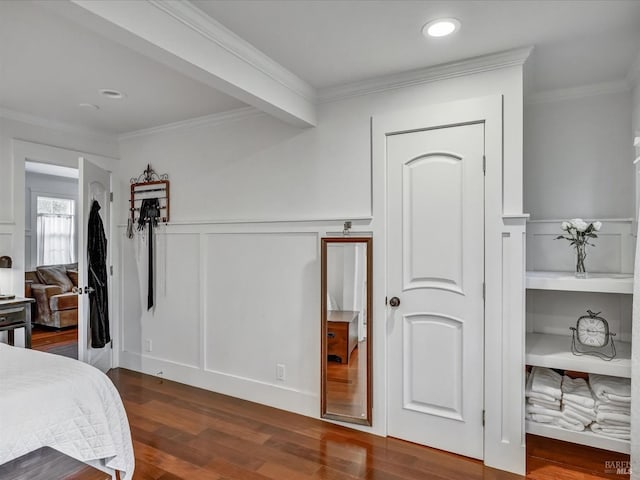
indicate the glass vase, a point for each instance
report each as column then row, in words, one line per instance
column 581, row 255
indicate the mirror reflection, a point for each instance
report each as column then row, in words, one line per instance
column 346, row 319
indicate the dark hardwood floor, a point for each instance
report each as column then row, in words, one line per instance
column 347, row 384
column 62, row 341
column 185, row 432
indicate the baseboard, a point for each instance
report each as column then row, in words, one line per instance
column 284, row 398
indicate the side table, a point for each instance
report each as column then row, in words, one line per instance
column 16, row 313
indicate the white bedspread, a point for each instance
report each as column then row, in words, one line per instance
column 50, row 400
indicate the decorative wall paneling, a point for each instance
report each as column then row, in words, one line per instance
column 233, row 299
column 505, row 334
column 614, row 249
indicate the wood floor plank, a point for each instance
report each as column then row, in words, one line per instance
column 185, row 432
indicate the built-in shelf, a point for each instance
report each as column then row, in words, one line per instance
column 567, row 281
column 554, row 351
column 586, row 437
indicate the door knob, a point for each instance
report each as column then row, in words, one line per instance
column 394, row 302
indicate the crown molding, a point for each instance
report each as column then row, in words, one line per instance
column 581, row 91
column 206, row 120
column 208, row 27
column 36, row 121
column 484, row 63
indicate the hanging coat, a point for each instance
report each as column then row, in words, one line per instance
column 97, row 273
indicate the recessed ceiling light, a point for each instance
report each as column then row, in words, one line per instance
column 108, row 92
column 89, row 106
column 441, row 27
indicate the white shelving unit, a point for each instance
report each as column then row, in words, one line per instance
column 567, row 281
column 554, row 351
column 586, row 437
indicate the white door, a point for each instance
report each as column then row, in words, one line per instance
column 95, row 184
column 435, row 195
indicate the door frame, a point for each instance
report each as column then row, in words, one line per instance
column 503, row 342
column 24, row 151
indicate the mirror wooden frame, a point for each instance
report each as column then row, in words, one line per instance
column 368, row 241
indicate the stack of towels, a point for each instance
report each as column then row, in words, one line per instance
column 561, row 401
column 578, row 404
column 613, row 406
column 543, row 394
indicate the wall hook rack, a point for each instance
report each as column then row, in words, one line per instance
column 148, row 185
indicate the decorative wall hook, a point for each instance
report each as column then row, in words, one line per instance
column 148, row 175
column 148, row 188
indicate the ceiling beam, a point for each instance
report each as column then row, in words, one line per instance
column 180, row 35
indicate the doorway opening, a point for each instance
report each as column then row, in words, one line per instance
column 51, row 256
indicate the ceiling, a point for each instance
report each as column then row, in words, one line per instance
column 49, row 63
column 338, row 42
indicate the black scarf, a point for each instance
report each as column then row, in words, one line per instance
column 149, row 213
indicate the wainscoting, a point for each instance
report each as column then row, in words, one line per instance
column 232, row 301
column 614, row 250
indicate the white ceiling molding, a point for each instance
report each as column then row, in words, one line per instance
column 53, row 124
column 461, row 68
column 582, row 91
column 205, row 121
column 198, row 46
column 192, row 16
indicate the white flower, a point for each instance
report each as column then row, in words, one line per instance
column 579, row 224
column 597, row 226
column 565, row 226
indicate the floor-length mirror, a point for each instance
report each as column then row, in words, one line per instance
column 346, row 329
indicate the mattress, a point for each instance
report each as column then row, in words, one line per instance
column 54, row 401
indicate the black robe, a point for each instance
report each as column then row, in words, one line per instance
column 97, row 272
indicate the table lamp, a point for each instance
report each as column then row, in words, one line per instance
column 6, row 262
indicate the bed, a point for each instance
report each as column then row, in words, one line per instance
column 50, row 400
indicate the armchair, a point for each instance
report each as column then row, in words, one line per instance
column 56, row 306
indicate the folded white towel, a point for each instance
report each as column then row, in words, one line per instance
column 555, row 405
column 546, row 381
column 616, row 389
column 537, row 395
column 537, row 409
column 539, row 418
column 612, row 406
column 613, row 432
column 569, row 423
column 589, row 412
column 576, row 415
column 577, row 390
column 541, row 397
column 613, row 418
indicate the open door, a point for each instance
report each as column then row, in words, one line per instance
column 95, row 185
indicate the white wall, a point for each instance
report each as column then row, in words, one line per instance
column 335, row 273
column 577, row 155
column 251, row 289
column 43, row 185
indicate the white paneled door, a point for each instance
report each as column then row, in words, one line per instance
column 435, row 258
column 95, row 184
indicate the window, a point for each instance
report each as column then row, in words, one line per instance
column 56, row 230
